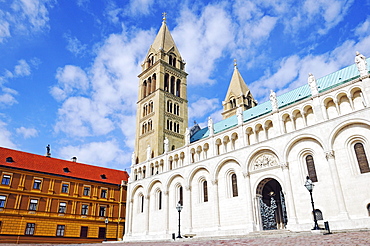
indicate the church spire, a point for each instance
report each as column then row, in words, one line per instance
column 162, row 107
column 238, row 95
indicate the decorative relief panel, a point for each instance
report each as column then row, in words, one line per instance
column 265, row 161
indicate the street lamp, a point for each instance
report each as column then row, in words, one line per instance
column 179, row 208
column 309, row 185
column 106, row 226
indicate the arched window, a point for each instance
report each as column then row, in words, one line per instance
column 144, row 89
column 160, row 200
column 361, row 158
column 178, row 83
column 149, row 86
column 173, row 147
column 166, row 82
column 181, row 196
column 141, row 203
column 311, row 168
column 368, row 209
column 154, row 80
column 174, row 62
column 151, row 106
column 172, row 86
column 170, row 59
column 205, row 191
column 234, row 185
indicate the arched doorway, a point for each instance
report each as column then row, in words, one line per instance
column 271, row 204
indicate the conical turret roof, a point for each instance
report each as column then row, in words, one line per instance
column 237, row 85
column 164, row 41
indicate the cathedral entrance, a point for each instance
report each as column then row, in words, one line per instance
column 272, row 205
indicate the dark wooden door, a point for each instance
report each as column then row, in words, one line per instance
column 101, row 232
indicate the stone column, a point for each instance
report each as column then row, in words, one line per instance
column 289, row 194
column 216, row 206
column 249, row 199
column 188, row 202
column 129, row 218
column 147, row 205
column 337, row 184
column 166, row 211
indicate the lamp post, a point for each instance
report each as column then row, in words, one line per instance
column 179, row 208
column 106, row 226
column 309, row 185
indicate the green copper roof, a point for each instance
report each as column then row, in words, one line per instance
column 325, row 83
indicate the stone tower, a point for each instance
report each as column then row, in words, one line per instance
column 238, row 95
column 162, row 107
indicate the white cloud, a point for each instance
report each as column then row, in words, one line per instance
column 4, row 30
column 96, row 153
column 292, row 71
column 5, row 136
column 81, row 117
column 22, row 69
column 72, row 80
column 140, row 7
column 202, row 40
column 74, row 45
column 201, row 107
column 27, row 132
column 363, row 29
column 34, row 11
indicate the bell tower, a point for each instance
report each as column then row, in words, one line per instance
column 238, row 95
column 162, row 107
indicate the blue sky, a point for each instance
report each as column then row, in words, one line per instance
column 68, row 69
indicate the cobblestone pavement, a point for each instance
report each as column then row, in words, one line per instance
column 342, row 238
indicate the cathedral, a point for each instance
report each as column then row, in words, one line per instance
column 248, row 172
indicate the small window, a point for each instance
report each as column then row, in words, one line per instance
column 65, row 188
column 181, row 197
column 142, row 204
column 86, row 191
column 361, row 158
column 311, row 168
column 6, row 179
column 205, row 191
column 66, row 170
column 103, row 193
column 2, row 201
column 234, row 184
column 102, row 211
column 9, row 159
column 62, row 207
column 60, row 230
column 33, row 204
column 37, row 184
column 368, row 209
column 103, row 176
column 160, row 200
column 84, row 209
column 30, row 229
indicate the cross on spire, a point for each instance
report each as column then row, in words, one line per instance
column 235, row 64
column 164, row 14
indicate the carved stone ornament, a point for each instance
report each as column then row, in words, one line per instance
column 264, row 161
column 188, row 187
column 284, row 165
column 215, row 181
column 329, row 154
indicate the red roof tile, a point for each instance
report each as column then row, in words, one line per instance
column 55, row 166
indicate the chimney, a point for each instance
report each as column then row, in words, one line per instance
column 74, row 159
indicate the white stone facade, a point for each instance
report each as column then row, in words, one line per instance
column 271, row 147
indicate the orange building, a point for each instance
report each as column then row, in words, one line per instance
column 48, row 200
